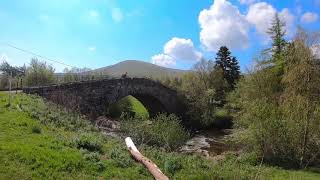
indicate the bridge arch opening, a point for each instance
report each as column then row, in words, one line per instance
column 136, row 105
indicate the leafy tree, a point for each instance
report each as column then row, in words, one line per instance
column 12, row 70
column 282, row 111
column 204, row 89
column 301, row 99
column 229, row 66
column 39, row 73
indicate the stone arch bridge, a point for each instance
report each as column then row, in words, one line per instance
column 91, row 98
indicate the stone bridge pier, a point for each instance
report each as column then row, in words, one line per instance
column 91, row 98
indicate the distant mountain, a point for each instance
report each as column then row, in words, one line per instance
column 138, row 69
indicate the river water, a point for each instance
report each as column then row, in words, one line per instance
column 209, row 143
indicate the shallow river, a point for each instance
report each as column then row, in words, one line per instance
column 208, row 143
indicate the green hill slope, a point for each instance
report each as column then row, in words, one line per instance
column 139, row 69
column 38, row 140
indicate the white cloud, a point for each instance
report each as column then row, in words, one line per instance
column 286, row 16
column 223, row 24
column 92, row 48
column 261, row 15
column 247, row 1
column 309, row 17
column 117, row 15
column 177, row 49
column 182, row 49
column 163, row 60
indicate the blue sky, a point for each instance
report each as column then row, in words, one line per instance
column 97, row 33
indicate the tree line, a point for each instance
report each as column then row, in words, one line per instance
column 39, row 73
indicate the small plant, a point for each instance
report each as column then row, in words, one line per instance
column 36, row 129
column 163, row 131
column 121, row 158
column 92, row 157
column 90, row 142
column 172, row 165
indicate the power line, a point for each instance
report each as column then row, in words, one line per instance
column 38, row 55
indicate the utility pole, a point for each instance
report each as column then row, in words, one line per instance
column 17, row 85
column 10, row 76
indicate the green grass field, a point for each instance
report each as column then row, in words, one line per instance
column 39, row 140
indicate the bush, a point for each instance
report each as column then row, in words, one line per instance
column 90, row 142
column 121, row 158
column 163, row 131
column 36, row 129
column 94, row 158
column 222, row 119
column 49, row 113
column 172, row 165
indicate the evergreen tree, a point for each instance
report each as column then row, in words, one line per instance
column 277, row 33
column 235, row 71
column 229, row 65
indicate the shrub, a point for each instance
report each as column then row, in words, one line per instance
column 94, row 158
column 172, row 165
column 163, row 131
column 49, row 113
column 89, row 141
column 121, row 158
column 167, row 132
column 36, row 129
column 222, row 119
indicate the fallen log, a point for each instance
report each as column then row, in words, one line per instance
column 152, row 167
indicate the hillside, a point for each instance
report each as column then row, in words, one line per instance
column 41, row 141
column 139, row 69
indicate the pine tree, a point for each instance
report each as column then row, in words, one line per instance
column 277, row 33
column 235, row 71
column 229, row 65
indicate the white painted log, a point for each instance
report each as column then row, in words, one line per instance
column 130, row 145
column 152, row 167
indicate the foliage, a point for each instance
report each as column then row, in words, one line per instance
column 52, row 154
column 163, row 131
column 77, row 74
column 277, row 33
column 90, row 142
column 229, row 66
column 122, row 160
column 222, row 119
column 36, row 129
column 50, row 114
column 205, row 91
column 12, row 71
column 172, row 165
column 278, row 108
column 39, row 73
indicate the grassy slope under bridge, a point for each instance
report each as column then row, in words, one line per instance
column 40, row 141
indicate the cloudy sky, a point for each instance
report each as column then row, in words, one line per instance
column 96, row 33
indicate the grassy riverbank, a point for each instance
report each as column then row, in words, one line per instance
column 39, row 140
